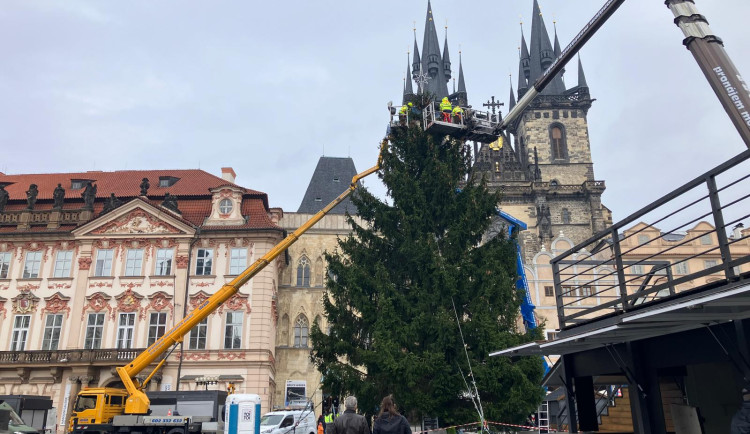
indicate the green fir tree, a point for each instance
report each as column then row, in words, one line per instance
column 393, row 283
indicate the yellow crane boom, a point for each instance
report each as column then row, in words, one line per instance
column 137, row 401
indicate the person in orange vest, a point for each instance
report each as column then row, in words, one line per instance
column 321, row 430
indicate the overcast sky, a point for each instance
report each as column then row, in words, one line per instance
column 269, row 87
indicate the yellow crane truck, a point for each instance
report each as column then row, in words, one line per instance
column 104, row 410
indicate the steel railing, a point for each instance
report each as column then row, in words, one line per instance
column 677, row 243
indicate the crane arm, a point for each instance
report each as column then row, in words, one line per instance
column 138, row 402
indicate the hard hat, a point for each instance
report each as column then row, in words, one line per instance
column 445, row 99
column 409, row 104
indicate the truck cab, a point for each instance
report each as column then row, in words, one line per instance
column 97, row 405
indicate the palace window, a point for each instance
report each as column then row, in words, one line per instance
column 4, row 265
column 157, row 325
column 681, row 268
column 20, row 332
column 63, row 263
column 238, row 261
column 225, row 206
column 706, row 240
column 204, row 262
column 303, row 272
column 301, row 332
column 94, row 328
column 52, row 327
column 134, row 262
column 549, row 291
column 233, row 331
column 125, row 330
column 31, row 267
column 557, row 142
column 709, row 263
column 198, row 335
column 104, row 262
column 164, row 262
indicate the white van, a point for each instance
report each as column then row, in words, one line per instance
column 289, row 422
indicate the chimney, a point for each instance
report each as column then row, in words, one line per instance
column 227, row 173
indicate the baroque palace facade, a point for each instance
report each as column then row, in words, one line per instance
column 95, row 266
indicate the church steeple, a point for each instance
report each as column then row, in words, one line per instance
column 432, row 62
column 524, row 71
column 581, row 76
column 416, row 64
column 446, row 58
column 463, row 99
column 557, row 48
column 408, row 90
column 512, row 99
column 542, row 54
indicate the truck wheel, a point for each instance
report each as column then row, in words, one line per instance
column 176, row 431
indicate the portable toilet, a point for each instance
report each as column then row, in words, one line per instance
column 242, row 414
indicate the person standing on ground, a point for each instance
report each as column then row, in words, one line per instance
column 350, row 422
column 389, row 421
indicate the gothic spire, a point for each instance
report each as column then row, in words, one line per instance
column 446, row 58
column 557, row 48
column 581, row 75
column 512, row 100
column 542, row 54
column 417, row 62
column 408, row 90
column 461, row 82
column 523, row 66
column 432, row 62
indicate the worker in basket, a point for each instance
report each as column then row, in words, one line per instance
column 402, row 113
column 446, row 108
column 458, row 115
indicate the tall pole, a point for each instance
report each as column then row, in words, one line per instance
column 708, row 50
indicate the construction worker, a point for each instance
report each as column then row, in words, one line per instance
column 446, row 108
column 403, row 111
column 328, row 420
column 458, row 114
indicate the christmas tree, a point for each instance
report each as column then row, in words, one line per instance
column 394, row 282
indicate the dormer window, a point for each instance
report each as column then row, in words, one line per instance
column 225, row 206
column 167, row 181
column 335, row 179
column 78, row 184
column 318, row 199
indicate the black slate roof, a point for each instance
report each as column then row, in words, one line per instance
column 332, row 177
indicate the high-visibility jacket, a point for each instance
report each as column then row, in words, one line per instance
column 329, row 418
column 320, row 428
column 457, row 110
column 445, row 106
column 403, row 110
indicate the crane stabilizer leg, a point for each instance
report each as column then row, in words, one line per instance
column 138, row 402
column 571, row 50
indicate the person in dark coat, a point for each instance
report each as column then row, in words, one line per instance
column 389, row 421
column 350, row 422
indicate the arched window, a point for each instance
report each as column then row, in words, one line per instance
column 303, row 271
column 301, row 332
column 565, row 216
column 557, row 142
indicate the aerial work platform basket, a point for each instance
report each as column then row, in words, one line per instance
column 472, row 124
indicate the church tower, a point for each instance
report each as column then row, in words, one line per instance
column 547, row 176
column 431, row 71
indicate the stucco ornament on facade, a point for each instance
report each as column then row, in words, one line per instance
column 25, row 302
column 137, row 221
column 56, row 303
column 84, row 263
column 128, row 302
column 198, row 298
column 160, row 301
column 96, row 302
column 181, row 262
column 3, row 311
column 238, row 301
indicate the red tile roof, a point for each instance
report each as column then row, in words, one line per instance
column 192, row 191
column 123, row 183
